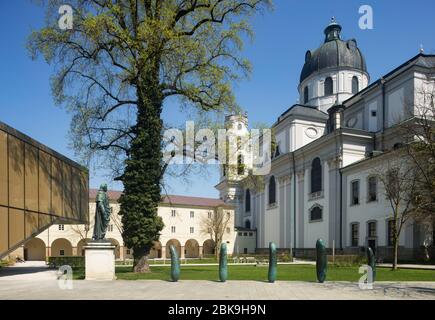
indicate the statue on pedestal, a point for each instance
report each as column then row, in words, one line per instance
column 102, row 214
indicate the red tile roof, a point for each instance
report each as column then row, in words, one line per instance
column 113, row 195
column 168, row 199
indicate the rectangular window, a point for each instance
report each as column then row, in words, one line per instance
column 355, row 193
column 245, row 250
column 192, row 214
column 372, row 229
column 245, row 234
column 61, row 252
column 355, row 235
column 173, row 213
column 240, row 234
column 251, row 234
column 173, row 229
column 61, row 227
column 192, row 230
column 110, row 228
column 390, row 233
column 372, row 189
column 128, row 251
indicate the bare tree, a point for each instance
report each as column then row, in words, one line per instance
column 215, row 225
column 117, row 221
column 420, row 132
column 399, row 179
column 82, row 230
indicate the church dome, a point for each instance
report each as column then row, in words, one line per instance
column 334, row 53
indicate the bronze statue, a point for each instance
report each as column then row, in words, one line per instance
column 102, row 214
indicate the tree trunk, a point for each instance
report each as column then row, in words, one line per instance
column 396, row 253
column 141, row 265
column 142, row 191
column 217, row 250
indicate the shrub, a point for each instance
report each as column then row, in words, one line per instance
column 347, row 260
column 6, row 263
column 73, row 262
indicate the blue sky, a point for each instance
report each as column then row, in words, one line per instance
column 277, row 54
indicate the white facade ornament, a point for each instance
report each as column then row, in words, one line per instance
column 312, row 132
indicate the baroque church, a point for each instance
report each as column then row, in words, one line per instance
column 322, row 182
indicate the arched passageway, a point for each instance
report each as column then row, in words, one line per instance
column 61, row 248
column 175, row 243
column 156, row 251
column 117, row 248
column 81, row 246
column 192, row 248
column 34, row 250
column 208, row 247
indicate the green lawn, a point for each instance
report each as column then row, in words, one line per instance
column 285, row 273
column 168, row 261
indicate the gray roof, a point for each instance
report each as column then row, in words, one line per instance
column 425, row 61
column 333, row 53
column 421, row 60
column 302, row 111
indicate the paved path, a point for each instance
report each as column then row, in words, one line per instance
column 36, row 281
column 208, row 290
column 30, row 270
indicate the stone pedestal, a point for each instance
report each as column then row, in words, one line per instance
column 100, row 260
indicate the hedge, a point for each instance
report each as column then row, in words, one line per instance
column 73, row 262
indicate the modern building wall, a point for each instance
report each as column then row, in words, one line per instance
column 38, row 187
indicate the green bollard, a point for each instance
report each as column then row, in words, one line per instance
column 371, row 261
column 175, row 264
column 321, row 261
column 223, row 269
column 272, row 262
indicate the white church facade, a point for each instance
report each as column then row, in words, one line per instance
column 321, row 183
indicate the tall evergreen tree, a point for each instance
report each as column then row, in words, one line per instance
column 118, row 64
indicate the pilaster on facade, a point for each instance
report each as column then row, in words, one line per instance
column 301, row 175
column 285, row 179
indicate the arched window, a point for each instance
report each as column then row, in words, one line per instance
column 316, row 214
column 248, row 224
column 316, row 176
column 272, row 190
column 248, row 201
column 328, row 86
column 306, row 96
column 355, row 85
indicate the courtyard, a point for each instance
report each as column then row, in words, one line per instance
column 34, row 280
